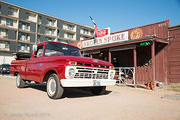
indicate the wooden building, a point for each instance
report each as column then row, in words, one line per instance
column 153, row 50
column 174, row 54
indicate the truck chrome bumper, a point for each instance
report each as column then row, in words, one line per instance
column 86, row 82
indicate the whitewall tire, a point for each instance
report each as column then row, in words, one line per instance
column 54, row 89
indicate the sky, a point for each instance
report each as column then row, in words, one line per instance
column 116, row 14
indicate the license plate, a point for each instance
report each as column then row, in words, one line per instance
column 96, row 83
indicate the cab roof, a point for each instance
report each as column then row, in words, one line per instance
column 43, row 43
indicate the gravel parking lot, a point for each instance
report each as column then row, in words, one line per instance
column 119, row 103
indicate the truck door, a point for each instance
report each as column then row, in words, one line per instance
column 34, row 66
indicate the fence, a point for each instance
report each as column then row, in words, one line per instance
column 125, row 75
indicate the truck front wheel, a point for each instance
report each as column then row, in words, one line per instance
column 54, row 89
column 98, row 90
column 20, row 83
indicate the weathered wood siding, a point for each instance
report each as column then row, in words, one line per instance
column 174, row 55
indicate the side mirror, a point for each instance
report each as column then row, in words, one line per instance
column 34, row 53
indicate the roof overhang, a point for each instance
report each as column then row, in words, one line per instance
column 129, row 42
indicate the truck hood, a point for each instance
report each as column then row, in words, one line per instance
column 87, row 60
column 79, row 60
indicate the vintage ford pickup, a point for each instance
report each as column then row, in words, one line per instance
column 61, row 65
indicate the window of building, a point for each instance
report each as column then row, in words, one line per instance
column 23, row 36
column 40, row 19
column 28, row 15
column 92, row 32
column 70, row 27
column 49, row 39
column 9, row 22
column 23, row 47
column 85, row 31
column 4, row 45
column 69, row 35
column 24, row 26
column 51, row 22
column 3, row 33
column 39, row 39
column 49, row 31
column 10, row 11
column 0, row 20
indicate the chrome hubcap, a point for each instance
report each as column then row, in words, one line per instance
column 51, row 86
column 18, row 80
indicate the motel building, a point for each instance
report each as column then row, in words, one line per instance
column 153, row 51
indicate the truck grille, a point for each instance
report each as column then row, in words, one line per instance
column 91, row 73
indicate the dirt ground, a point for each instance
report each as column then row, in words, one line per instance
column 119, row 103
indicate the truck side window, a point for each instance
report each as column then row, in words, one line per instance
column 39, row 51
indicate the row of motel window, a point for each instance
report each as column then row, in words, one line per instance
column 32, row 17
column 48, row 31
column 3, row 33
column 49, row 21
column 21, row 36
column 8, row 22
column 26, row 37
column 11, row 11
column 21, row 47
column 24, row 26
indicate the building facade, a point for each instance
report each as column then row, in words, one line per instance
column 20, row 28
column 173, row 58
column 153, row 50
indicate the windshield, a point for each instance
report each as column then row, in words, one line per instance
column 55, row 49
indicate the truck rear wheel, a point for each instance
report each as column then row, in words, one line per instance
column 54, row 89
column 20, row 83
column 98, row 90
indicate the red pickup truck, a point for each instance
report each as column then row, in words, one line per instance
column 62, row 65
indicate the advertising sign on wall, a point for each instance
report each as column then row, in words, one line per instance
column 103, row 32
column 123, row 36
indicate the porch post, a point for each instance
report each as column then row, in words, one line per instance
column 109, row 52
column 135, row 66
column 153, row 63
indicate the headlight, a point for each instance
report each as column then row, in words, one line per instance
column 111, row 67
column 111, row 74
column 70, row 72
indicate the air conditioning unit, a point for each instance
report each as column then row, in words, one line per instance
column 22, row 48
column 5, row 36
column 2, row 46
column 23, row 38
column 28, row 48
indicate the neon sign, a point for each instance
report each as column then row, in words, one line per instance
column 147, row 43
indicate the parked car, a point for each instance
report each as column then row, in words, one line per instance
column 62, row 65
column 4, row 69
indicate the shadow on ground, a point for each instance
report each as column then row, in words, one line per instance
column 68, row 92
column 132, row 85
